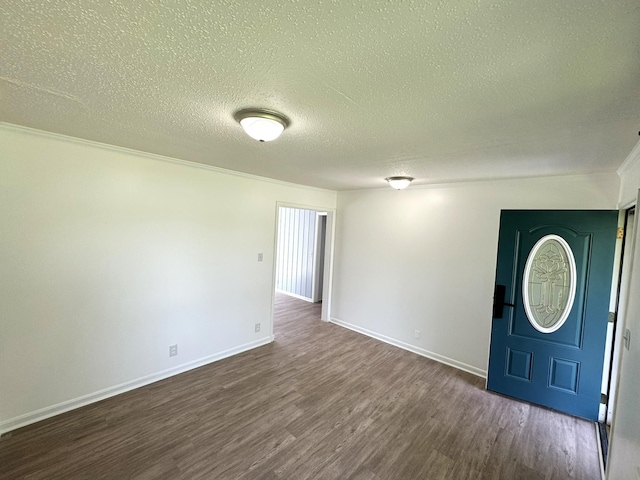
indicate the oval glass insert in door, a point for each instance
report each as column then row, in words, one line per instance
column 549, row 283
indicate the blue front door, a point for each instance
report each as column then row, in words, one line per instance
column 551, row 304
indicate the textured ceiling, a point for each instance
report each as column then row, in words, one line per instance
column 443, row 91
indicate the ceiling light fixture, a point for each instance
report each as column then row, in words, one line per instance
column 263, row 125
column 399, row 183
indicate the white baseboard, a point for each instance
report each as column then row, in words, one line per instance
column 47, row 412
column 412, row 348
column 295, row 295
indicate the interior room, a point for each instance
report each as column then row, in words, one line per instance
column 159, row 160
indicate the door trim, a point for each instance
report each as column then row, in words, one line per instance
column 612, row 365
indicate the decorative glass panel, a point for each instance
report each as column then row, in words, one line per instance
column 549, row 283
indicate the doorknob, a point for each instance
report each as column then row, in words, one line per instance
column 498, row 301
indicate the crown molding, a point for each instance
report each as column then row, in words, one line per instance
column 483, row 181
column 10, row 127
column 630, row 161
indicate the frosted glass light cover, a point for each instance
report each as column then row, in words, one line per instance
column 399, row 183
column 262, row 129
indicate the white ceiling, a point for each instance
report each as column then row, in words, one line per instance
column 443, row 91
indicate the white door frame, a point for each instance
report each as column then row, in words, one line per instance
column 614, row 345
column 318, row 257
column 611, row 346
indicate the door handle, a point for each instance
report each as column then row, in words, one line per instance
column 498, row 301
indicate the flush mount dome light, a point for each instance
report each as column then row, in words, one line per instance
column 399, row 183
column 262, row 125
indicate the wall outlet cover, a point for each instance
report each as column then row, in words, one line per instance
column 173, row 350
column 257, row 327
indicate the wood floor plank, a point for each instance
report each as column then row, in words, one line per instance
column 321, row 402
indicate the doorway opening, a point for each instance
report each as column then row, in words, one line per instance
column 303, row 256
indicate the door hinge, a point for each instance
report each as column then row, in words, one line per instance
column 604, row 399
column 612, row 317
column 620, row 233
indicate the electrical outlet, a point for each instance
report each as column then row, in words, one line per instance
column 257, row 327
column 259, row 257
column 173, row 350
column 416, row 334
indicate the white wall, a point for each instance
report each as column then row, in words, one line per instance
column 109, row 256
column 424, row 258
column 624, row 459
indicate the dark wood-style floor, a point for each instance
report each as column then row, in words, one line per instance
column 322, row 402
